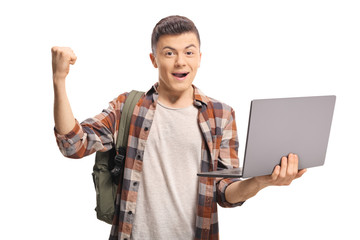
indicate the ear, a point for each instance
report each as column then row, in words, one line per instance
column 153, row 60
column 199, row 60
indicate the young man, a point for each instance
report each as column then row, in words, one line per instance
column 176, row 131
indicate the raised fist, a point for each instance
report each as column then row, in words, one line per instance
column 62, row 57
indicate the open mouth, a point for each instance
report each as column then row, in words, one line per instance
column 180, row 75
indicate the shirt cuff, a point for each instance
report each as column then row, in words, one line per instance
column 221, row 187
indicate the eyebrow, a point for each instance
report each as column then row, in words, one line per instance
column 171, row 48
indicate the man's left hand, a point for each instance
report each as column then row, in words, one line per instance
column 283, row 174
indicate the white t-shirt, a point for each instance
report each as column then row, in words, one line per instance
column 167, row 197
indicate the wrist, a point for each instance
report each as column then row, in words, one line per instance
column 58, row 80
column 260, row 183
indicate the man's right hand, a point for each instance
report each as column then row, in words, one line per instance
column 62, row 57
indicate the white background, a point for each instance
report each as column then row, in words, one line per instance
column 251, row 49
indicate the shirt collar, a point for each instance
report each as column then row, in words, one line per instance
column 199, row 97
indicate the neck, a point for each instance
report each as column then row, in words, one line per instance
column 176, row 100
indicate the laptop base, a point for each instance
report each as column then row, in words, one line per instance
column 225, row 173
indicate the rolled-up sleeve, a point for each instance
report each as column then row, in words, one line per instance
column 93, row 134
column 220, row 192
column 228, row 158
column 67, row 143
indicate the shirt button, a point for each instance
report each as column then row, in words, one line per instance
column 66, row 144
column 135, row 183
column 146, row 129
column 130, row 212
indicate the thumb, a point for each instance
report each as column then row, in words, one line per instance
column 72, row 59
column 300, row 173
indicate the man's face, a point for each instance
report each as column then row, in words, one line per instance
column 177, row 58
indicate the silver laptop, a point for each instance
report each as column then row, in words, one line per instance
column 281, row 126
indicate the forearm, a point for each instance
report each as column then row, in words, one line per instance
column 282, row 175
column 243, row 190
column 63, row 116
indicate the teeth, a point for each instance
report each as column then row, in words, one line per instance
column 180, row 74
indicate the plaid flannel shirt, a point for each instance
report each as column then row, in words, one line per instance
column 219, row 151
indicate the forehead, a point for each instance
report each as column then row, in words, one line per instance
column 179, row 41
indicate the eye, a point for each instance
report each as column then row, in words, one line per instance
column 189, row 53
column 169, row 53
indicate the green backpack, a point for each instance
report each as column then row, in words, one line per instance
column 109, row 165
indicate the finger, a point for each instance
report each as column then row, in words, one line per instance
column 283, row 169
column 54, row 49
column 296, row 165
column 276, row 172
column 292, row 165
column 290, row 168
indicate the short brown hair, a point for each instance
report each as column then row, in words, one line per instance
column 172, row 25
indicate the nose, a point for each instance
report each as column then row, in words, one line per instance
column 180, row 60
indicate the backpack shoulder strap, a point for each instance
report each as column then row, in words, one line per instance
column 125, row 120
column 123, row 134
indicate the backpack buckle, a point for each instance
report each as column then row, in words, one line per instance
column 119, row 161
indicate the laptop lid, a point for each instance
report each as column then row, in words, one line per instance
column 281, row 126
